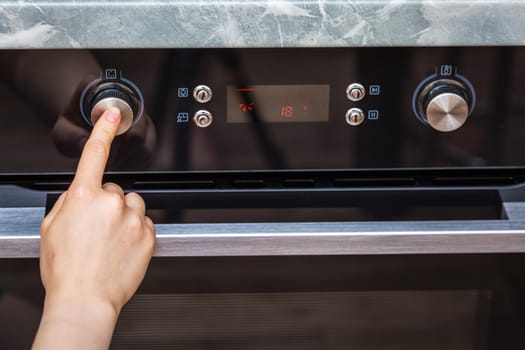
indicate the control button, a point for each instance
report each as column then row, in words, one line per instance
column 114, row 97
column 203, row 119
column 202, row 94
column 101, row 94
column 354, row 116
column 444, row 105
column 447, row 112
column 355, row 92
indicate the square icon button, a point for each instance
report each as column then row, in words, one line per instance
column 373, row 114
column 375, row 90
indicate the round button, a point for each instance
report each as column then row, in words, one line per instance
column 444, row 104
column 101, row 95
column 203, row 119
column 106, row 99
column 202, row 94
column 355, row 92
column 447, row 111
column 354, row 116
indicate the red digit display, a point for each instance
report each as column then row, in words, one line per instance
column 287, row 111
column 278, row 103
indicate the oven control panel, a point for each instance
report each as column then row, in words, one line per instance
column 195, row 110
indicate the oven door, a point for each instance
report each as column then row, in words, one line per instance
column 302, row 302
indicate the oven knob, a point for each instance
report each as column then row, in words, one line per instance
column 203, row 118
column 115, row 97
column 202, row 94
column 445, row 107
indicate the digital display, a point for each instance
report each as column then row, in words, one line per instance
column 278, row 103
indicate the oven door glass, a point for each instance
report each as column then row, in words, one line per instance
column 341, row 302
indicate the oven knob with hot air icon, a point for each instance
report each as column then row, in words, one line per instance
column 444, row 101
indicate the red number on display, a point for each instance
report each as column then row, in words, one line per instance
column 287, row 111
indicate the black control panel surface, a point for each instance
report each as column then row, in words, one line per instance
column 195, row 110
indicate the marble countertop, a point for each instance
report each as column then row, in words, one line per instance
column 262, row 23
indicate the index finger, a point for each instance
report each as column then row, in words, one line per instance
column 92, row 163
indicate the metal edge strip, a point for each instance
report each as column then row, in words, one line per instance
column 325, row 243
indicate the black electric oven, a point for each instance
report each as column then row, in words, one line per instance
column 305, row 198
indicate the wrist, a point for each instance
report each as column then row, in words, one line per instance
column 86, row 310
column 78, row 322
column 64, row 303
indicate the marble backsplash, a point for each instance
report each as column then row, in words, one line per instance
column 270, row 23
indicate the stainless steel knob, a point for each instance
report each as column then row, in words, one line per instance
column 115, row 95
column 447, row 111
column 101, row 95
column 355, row 92
column 203, row 118
column 202, row 94
column 354, row 116
column 126, row 112
column 444, row 104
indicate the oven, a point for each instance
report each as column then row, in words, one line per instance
column 304, row 197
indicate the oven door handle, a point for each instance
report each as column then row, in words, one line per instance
column 22, row 210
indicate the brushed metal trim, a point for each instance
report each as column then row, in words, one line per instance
column 515, row 211
column 20, row 221
column 366, row 243
column 20, row 227
column 191, row 240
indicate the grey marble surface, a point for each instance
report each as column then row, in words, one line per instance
column 263, row 23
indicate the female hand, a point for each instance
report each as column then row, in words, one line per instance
column 96, row 244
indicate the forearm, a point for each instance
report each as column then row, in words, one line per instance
column 75, row 324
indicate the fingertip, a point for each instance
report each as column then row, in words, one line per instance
column 94, row 157
column 112, row 115
column 106, row 127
